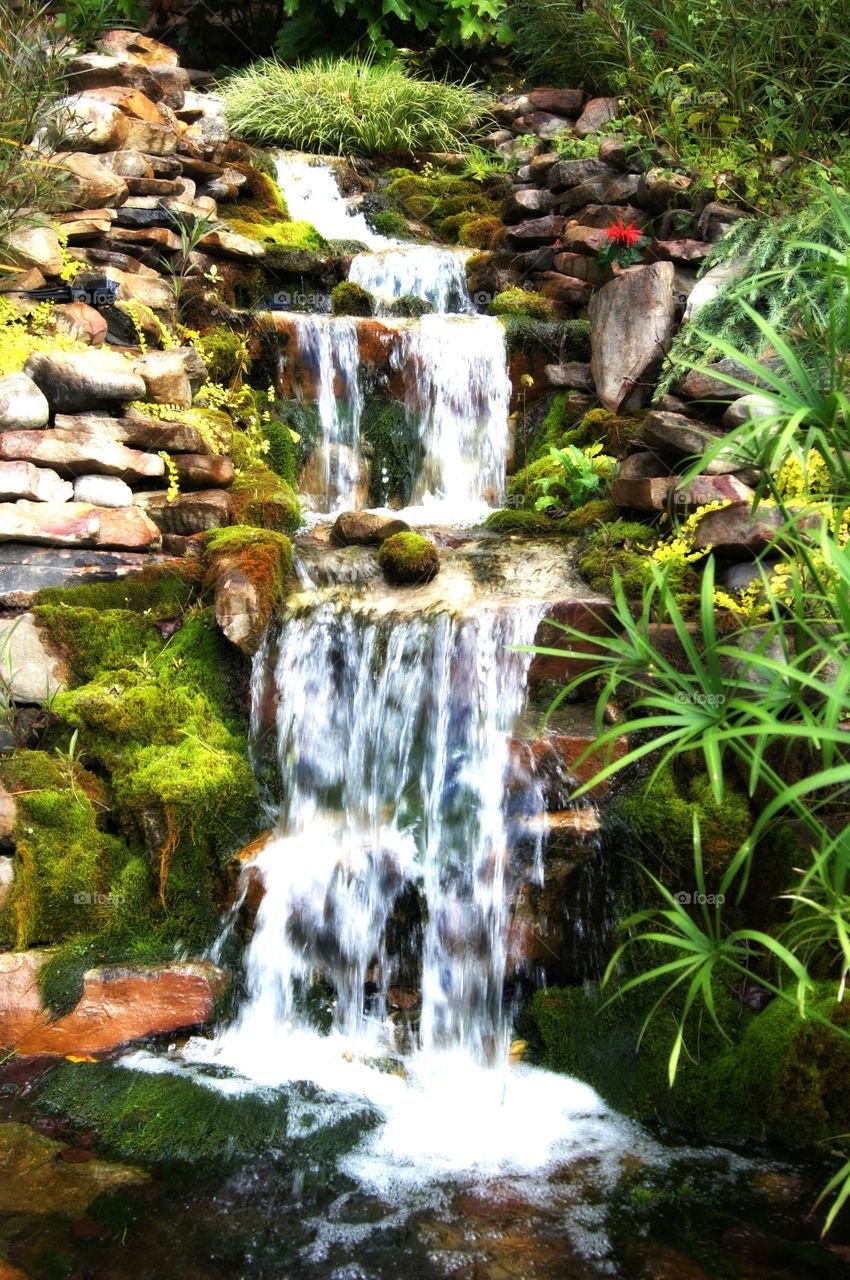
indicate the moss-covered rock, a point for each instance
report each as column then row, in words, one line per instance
column 389, row 222
column 539, row 523
column 350, row 299
column 249, row 570
column 408, row 558
column 263, row 499
column 781, row 1077
column 482, row 232
column 224, row 351
column 620, row 547
column 68, row 869
column 279, row 234
column 410, row 307
column 561, row 340
column 522, row 302
column 437, row 199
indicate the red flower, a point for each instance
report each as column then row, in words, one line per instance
column 618, row 233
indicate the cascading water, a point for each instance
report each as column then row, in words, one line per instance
column 454, row 365
column 457, row 391
column 328, row 353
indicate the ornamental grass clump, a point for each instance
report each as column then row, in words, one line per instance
column 347, row 105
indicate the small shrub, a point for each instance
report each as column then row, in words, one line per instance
column 344, row 106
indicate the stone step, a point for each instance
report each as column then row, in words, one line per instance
column 25, row 570
column 78, row 524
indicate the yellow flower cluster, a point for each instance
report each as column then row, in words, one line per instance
column 800, row 478
column 680, row 545
column 173, row 479
column 23, row 335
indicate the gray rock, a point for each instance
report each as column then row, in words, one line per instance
column 26, row 569
column 642, row 466
column 610, row 188
column 29, row 669
column 74, row 380
column 172, row 377
column 718, row 218
column 597, row 113
column 571, row 173
column 699, row 385
column 139, row 431
column 632, row 322
column 748, row 408
column 22, row 405
column 7, row 878
column 536, row 231
column 103, row 491
column 687, row 438
column 709, row 285
column 526, row 204
column 574, row 375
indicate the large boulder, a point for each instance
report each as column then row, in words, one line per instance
column 172, row 377
column 73, row 453
column 87, row 182
column 22, row 405
column 90, row 124
column 77, row 524
column 189, row 512
column 632, row 323
column 138, row 430
column 84, row 380
column 362, row 528
column 118, row 1005
column 30, row 671
column 38, row 484
column 35, row 246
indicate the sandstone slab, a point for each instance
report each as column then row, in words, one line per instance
column 37, row 484
column 35, row 246
column 138, row 430
column 103, row 491
column 189, row 512
column 73, row 453
column 90, row 183
column 101, row 70
column 22, row 405
column 172, row 377
column 77, row 524
column 84, row 380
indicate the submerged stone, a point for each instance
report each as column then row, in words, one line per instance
column 38, row 1181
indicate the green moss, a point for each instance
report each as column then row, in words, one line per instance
column 522, row 302
column 260, row 197
column 94, row 640
column 159, row 593
column 661, row 812
column 262, row 556
column 223, row 350
column 782, row 1077
column 408, row 558
column 394, row 447
column 483, row 232
column 163, row 1117
column 68, row 870
column 389, row 222
column 282, row 456
column 565, row 340
column 410, row 307
column 435, row 197
column 265, row 500
column 281, row 235
column 621, row 546
column 350, row 299
column 537, row 523
column 135, row 938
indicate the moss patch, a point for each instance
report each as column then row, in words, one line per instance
column 350, row 299
column 538, row 523
column 482, row 232
column 389, row 222
column 564, row 340
column 408, row 558
column 621, row 547
column 395, row 450
column 436, row 199
column 522, row 302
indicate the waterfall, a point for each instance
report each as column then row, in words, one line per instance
column 436, row 275
column 312, row 194
column 393, row 748
column 457, row 391
column 329, row 357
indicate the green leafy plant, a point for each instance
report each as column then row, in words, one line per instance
column 577, row 475
column 346, row 105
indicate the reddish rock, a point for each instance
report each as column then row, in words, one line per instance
column 679, row 250
column 539, row 167
column 605, row 215
column 203, row 471
column 597, row 113
column 138, row 430
column 72, row 453
column 80, row 321
column 585, row 240
column 132, row 46
column 189, row 512
column 118, row 1005
column 131, row 101
column 565, row 102
column 660, row 493
column 561, row 288
column 98, row 70
column 642, row 466
column 38, row 484
column 738, row 530
column 77, row 524
column 590, row 616
column 543, row 124
column 365, row 528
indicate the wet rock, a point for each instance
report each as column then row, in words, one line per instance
column 84, row 380
column 22, row 404
column 188, row 512
column 31, row 672
column 589, row 615
column 103, row 491
column 203, row 470
column 172, row 377
column 535, row 231
column 612, row 188
column 362, row 528
column 565, row 102
column 91, row 183
column 26, row 569
column 38, row 1182
column 35, row 246
column 521, row 205
column 577, row 376
column 119, row 1004
column 632, row 322
column 37, row 484
column 571, row 173
column 597, row 113
column 74, row 452
column 77, row 524
column 250, row 569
